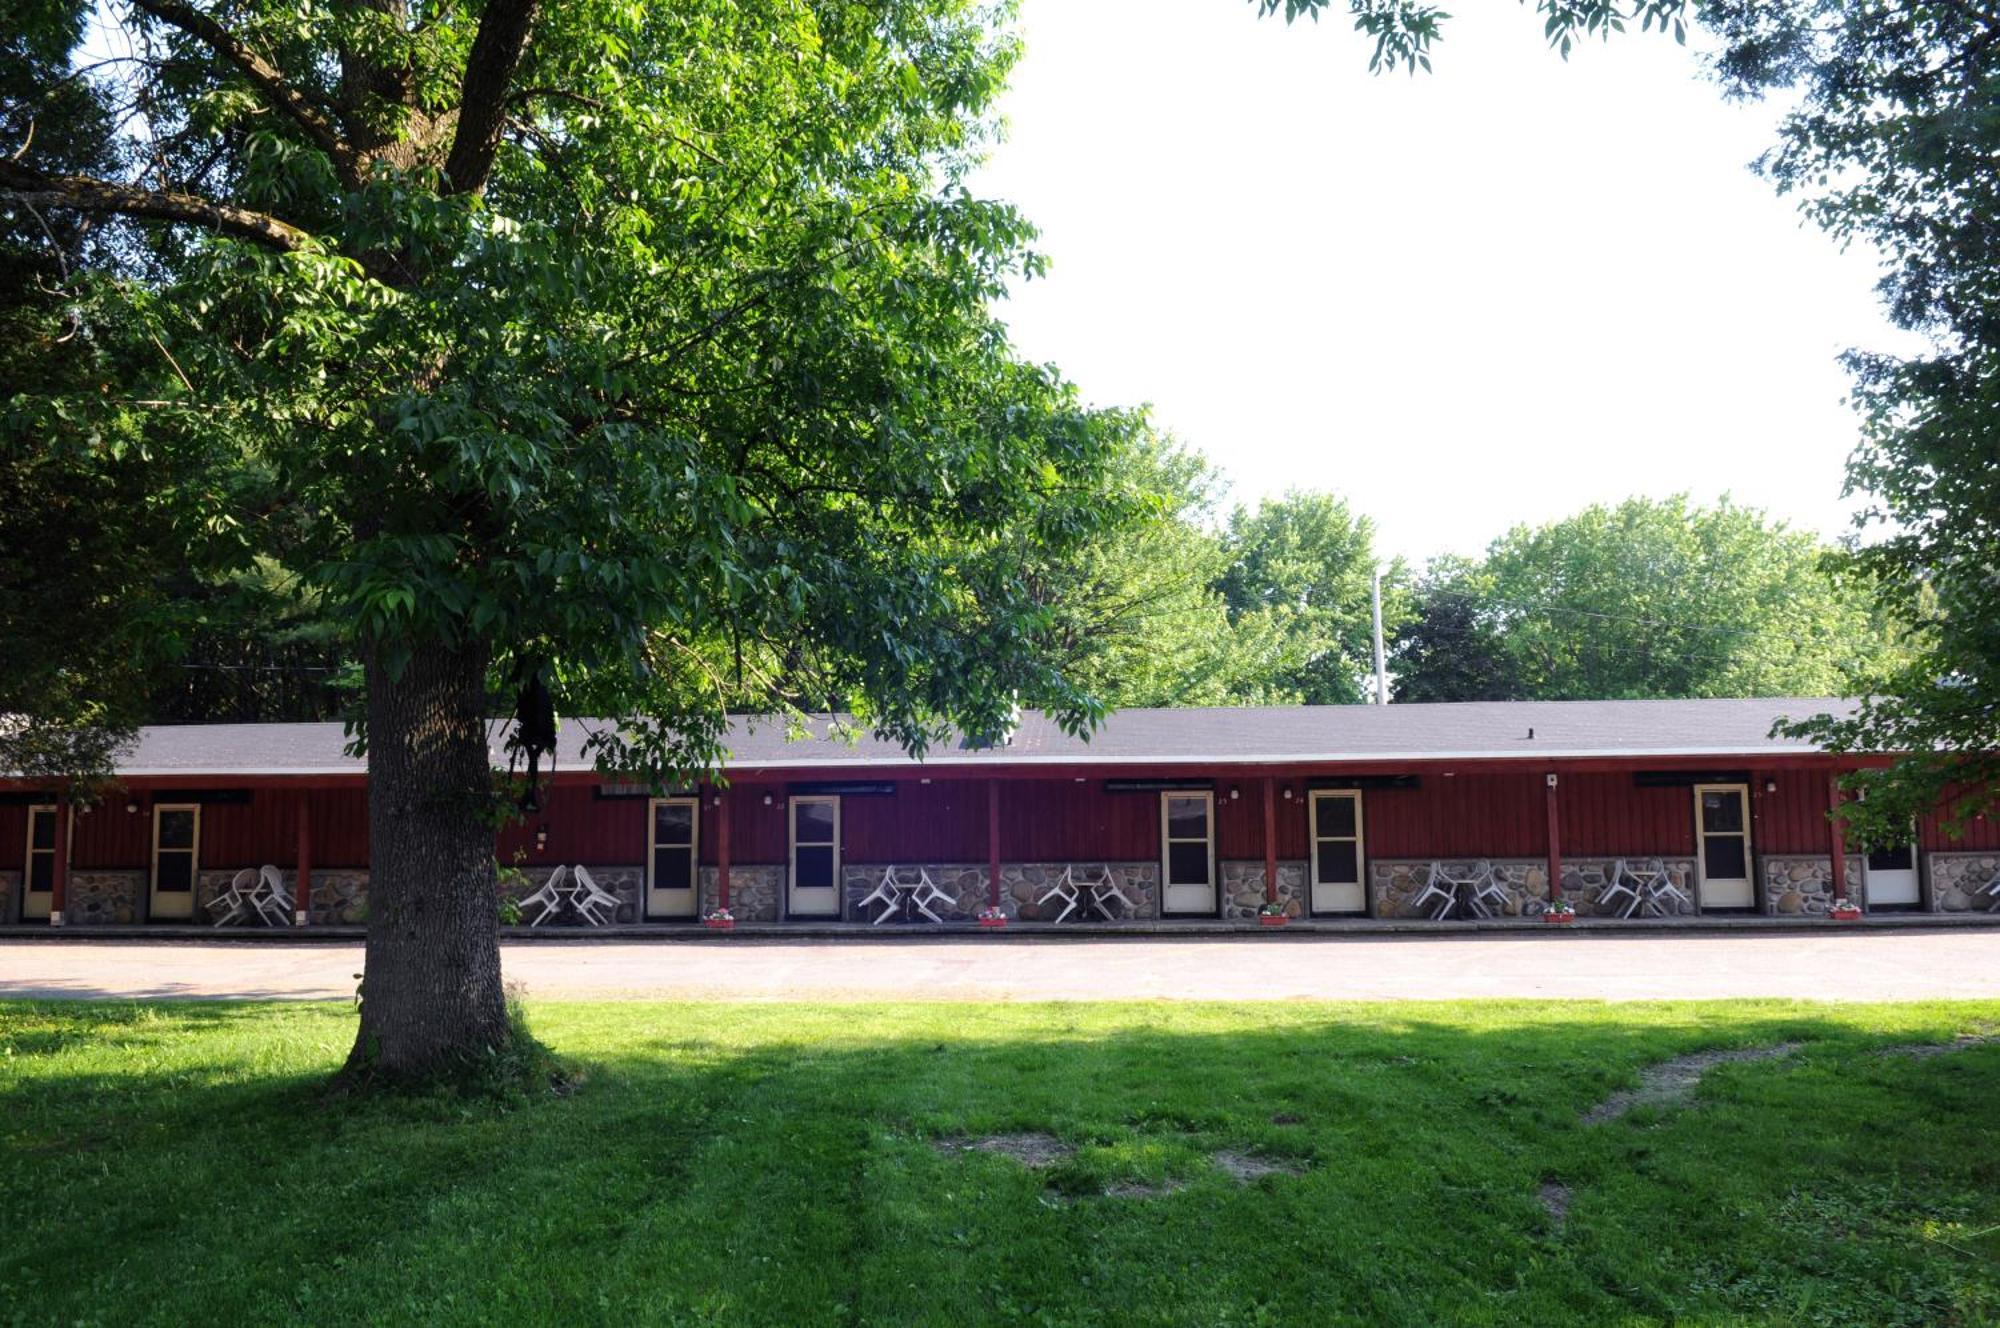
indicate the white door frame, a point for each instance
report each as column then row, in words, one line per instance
column 1908, row 881
column 668, row 902
column 1167, row 840
column 1701, row 834
column 178, row 906
column 36, row 904
column 1328, row 902
column 792, row 909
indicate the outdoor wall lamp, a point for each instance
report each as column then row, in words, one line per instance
column 542, row 836
column 1288, row 793
column 767, row 799
column 132, row 807
column 1551, row 781
column 1234, row 793
column 1770, row 786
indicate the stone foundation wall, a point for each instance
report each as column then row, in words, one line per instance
column 1957, row 880
column 1803, row 884
column 103, row 898
column 754, row 891
column 1021, row 885
column 1243, row 888
column 628, row 883
column 1586, row 879
column 339, row 895
column 1394, row 884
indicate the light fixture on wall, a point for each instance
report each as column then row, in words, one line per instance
column 1288, row 793
column 132, row 807
column 1770, row 786
column 767, row 799
column 1234, row 793
column 541, row 836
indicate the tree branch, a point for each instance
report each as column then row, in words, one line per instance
column 31, row 188
column 279, row 92
column 482, row 101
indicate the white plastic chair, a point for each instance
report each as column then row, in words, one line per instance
column 1661, row 887
column 1064, row 889
column 1992, row 887
column 597, row 905
column 927, row 893
column 234, row 901
column 549, row 898
column 273, row 901
column 888, row 892
column 1485, row 891
column 1437, row 884
column 1105, row 889
column 1618, row 885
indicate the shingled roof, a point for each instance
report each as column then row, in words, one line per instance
column 1187, row 737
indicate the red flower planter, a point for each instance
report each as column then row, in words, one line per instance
column 1559, row 919
column 1272, row 919
column 1846, row 915
column 719, row 924
column 992, row 922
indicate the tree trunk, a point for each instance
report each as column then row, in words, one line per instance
column 431, row 994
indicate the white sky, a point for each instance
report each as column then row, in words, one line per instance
column 1490, row 294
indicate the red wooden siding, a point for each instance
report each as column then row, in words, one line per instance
column 1239, row 822
column 1982, row 832
column 13, row 838
column 939, row 822
column 1064, row 821
column 582, row 828
column 1792, row 818
column 107, row 836
column 1461, row 815
column 1608, row 814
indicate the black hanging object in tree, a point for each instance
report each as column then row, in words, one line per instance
column 534, row 732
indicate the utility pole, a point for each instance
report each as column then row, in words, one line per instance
column 1381, row 667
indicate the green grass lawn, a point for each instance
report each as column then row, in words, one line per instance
column 780, row 1164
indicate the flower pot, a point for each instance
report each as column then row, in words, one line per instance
column 1559, row 919
column 1272, row 919
column 1846, row 915
column 993, row 922
column 719, row 924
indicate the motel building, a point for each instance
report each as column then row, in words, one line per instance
column 1335, row 814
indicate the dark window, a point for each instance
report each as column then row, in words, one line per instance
column 1901, row 858
column 1187, row 818
column 812, row 822
column 43, row 835
column 176, row 872
column 1722, row 811
column 1723, row 858
column 42, row 873
column 1338, row 864
column 1336, row 818
column 673, row 823
column 1187, row 863
column 176, row 829
column 815, row 866
column 673, row 868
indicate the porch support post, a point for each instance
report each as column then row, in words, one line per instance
column 302, row 888
column 1270, row 839
column 993, row 843
column 59, row 869
column 1836, row 834
column 1555, row 840
column 721, row 849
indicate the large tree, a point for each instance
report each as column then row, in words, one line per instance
column 1645, row 599
column 635, row 352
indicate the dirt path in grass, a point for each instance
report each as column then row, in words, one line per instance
column 1876, row 966
column 1670, row 1083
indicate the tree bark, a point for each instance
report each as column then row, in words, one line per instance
column 431, row 994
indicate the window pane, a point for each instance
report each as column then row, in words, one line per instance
column 42, row 872
column 1722, row 810
column 1187, row 864
column 812, row 822
column 815, row 867
column 177, row 829
column 1892, row 859
column 44, row 829
column 1187, row 818
column 1336, row 818
column 1722, row 858
column 176, row 872
column 673, row 823
column 673, row 869
column 1338, row 862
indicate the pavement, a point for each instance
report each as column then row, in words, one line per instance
column 1899, row 965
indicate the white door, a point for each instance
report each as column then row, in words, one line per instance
column 1890, row 878
column 38, row 876
column 1336, row 854
column 1187, row 853
column 176, row 860
column 1722, row 846
column 814, row 880
column 673, row 858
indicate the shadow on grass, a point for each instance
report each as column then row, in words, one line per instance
column 756, row 1165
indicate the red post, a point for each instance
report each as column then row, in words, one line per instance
column 1836, row 834
column 721, row 850
column 59, row 869
column 302, row 888
column 993, row 843
column 1270, row 839
column 1555, row 843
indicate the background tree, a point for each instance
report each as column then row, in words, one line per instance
column 1301, row 568
column 613, row 348
column 1645, row 599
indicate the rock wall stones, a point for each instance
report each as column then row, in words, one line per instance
column 1584, row 881
column 1394, row 884
column 1803, row 884
column 754, row 891
column 103, row 898
column 1243, row 888
column 627, row 883
column 339, row 895
column 1959, row 880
